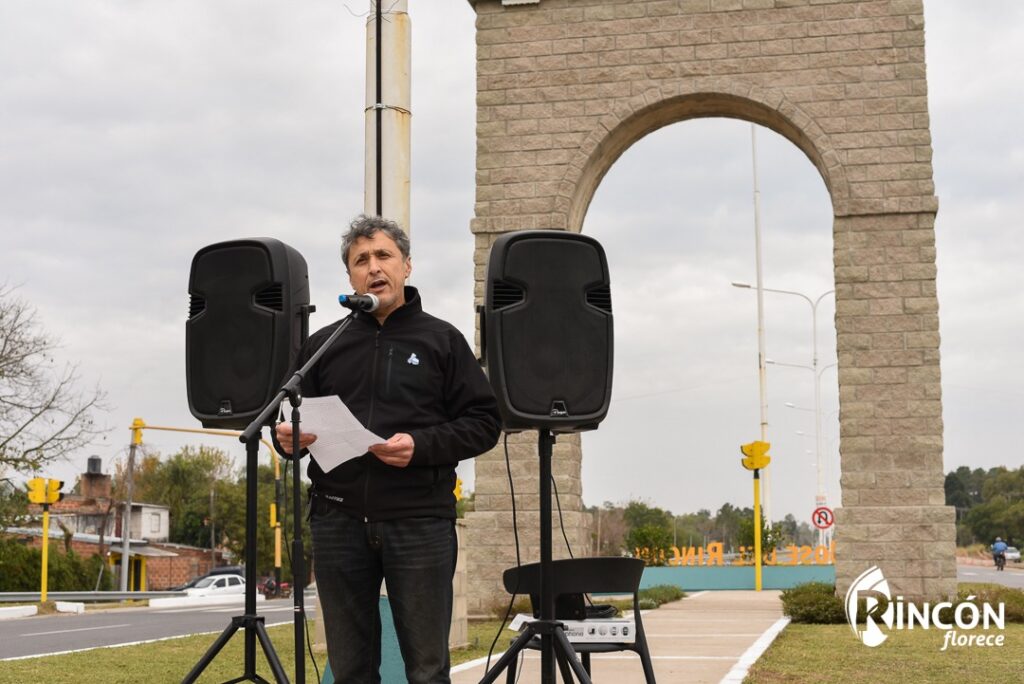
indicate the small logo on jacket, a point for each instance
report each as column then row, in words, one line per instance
column 413, row 360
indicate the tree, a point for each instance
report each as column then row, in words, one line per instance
column 799, row 533
column 771, row 536
column 727, row 524
column 183, row 483
column 639, row 514
column 652, row 543
column 43, row 414
column 13, row 504
column 610, row 529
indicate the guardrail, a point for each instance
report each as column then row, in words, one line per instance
column 33, row 596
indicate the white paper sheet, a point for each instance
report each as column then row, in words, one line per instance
column 340, row 436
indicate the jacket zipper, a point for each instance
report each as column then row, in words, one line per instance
column 387, row 378
column 369, row 422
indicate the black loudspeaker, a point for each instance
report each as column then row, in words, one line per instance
column 248, row 313
column 546, row 330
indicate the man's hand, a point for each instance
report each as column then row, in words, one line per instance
column 397, row 451
column 284, row 436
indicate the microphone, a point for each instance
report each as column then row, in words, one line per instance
column 366, row 302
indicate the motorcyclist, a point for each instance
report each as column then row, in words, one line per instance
column 999, row 552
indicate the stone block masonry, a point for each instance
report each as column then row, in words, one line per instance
column 565, row 86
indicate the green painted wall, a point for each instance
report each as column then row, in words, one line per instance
column 698, row 578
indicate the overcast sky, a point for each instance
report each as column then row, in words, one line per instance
column 133, row 134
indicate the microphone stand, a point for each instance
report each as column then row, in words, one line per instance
column 251, row 622
column 250, row 435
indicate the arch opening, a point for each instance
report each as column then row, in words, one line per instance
column 609, row 142
column 675, row 214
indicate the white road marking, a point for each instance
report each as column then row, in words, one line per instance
column 80, row 629
column 130, row 643
column 699, row 636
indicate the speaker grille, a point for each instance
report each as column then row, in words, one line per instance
column 196, row 305
column 550, row 356
column 271, row 297
column 505, row 294
column 600, row 297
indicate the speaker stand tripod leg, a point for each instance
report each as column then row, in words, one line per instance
column 508, row 658
column 268, row 650
column 563, row 646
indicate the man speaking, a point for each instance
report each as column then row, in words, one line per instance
column 390, row 514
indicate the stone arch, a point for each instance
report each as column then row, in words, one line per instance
column 564, row 87
column 643, row 114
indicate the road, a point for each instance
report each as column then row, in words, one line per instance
column 1013, row 576
column 45, row 634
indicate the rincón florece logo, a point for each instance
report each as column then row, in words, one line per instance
column 872, row 587
column 870, row 584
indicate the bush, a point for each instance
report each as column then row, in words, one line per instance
column 813, row 603
column 994, row 594
column 20, row 566
column 663, row 593
column 498, row 608
column 817, row 603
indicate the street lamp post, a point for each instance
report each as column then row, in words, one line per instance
column 820, row 498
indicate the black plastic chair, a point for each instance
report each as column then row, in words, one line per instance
column 572, row 579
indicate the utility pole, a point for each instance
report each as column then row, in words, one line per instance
column 388, row 111
column 126, row 519
column 761, row 373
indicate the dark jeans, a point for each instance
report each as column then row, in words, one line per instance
column 416, row 558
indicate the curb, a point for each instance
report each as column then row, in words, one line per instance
column 740, row 670
column 11, row 612
column 230, row 599
column 69, row 607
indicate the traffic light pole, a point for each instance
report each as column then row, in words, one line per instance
column 755, row 458
column 46, row 549
column 44, row 491
column 757, row 529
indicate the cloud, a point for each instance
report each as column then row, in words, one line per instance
column 136, row 133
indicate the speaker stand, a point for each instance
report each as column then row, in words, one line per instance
column 251, row 623
column 554, row 644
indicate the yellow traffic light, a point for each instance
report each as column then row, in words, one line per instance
column 756, row 455
column 37, row 490
column 53, row 493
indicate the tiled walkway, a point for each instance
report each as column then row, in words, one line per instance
column 706, row 637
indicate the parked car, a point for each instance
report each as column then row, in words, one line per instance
column 1013, row 554
column 218, row 585
column 222, row 570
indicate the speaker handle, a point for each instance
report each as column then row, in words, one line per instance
column 480, row 309
column 304, row 312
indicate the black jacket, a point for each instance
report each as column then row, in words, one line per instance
column 415, row 374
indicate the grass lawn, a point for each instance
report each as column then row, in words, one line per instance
column 171, row 660
column 803, row 654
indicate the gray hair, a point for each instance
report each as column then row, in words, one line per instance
column 364, row 226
